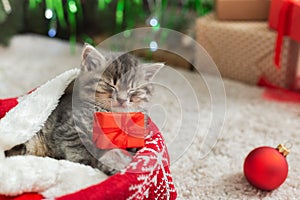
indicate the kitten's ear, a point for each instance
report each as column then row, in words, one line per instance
column 150, row 69
column 91, row 58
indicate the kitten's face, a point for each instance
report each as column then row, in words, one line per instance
column 123, row 86
column 127, row 92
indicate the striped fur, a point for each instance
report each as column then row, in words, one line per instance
column 110, row 82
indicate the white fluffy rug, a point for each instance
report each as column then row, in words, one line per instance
column 250, row 121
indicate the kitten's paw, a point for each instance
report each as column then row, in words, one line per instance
column 114, row 161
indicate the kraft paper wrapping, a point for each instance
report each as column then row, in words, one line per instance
column 242, row 9
column 244, row 50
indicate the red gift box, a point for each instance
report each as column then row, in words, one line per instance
column 122, row 130
column 284, row 17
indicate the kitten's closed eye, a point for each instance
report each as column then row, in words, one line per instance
column 101, row 92
column 106, row 87
column 131, row 92
column 138, row 92
column 139, row 95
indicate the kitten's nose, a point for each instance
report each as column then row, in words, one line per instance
column 121, row 101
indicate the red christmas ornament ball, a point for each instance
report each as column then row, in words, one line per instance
column 266, row 168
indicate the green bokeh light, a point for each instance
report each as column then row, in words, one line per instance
column 72, row 6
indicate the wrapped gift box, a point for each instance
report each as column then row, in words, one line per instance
column 119, row 130
column 243, row 50
column 242, row 9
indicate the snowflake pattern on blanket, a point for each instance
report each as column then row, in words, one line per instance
column 152, row 167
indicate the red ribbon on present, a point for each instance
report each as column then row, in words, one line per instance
column 122, row 130
column 284, row 26
column 276, row 93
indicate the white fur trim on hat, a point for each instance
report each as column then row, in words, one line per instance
column 47, row 176
column 26, row 119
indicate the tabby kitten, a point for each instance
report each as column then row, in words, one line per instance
column 107, row 82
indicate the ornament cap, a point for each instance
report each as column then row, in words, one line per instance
column 283, row 150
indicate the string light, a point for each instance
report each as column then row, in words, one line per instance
column 52, row 32
column 48, row 13
column 72, row 6
column 153, row 22
column 153, row 46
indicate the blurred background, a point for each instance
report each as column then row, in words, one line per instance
column 239, row 35
column 91, row 21
column 81, row 21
